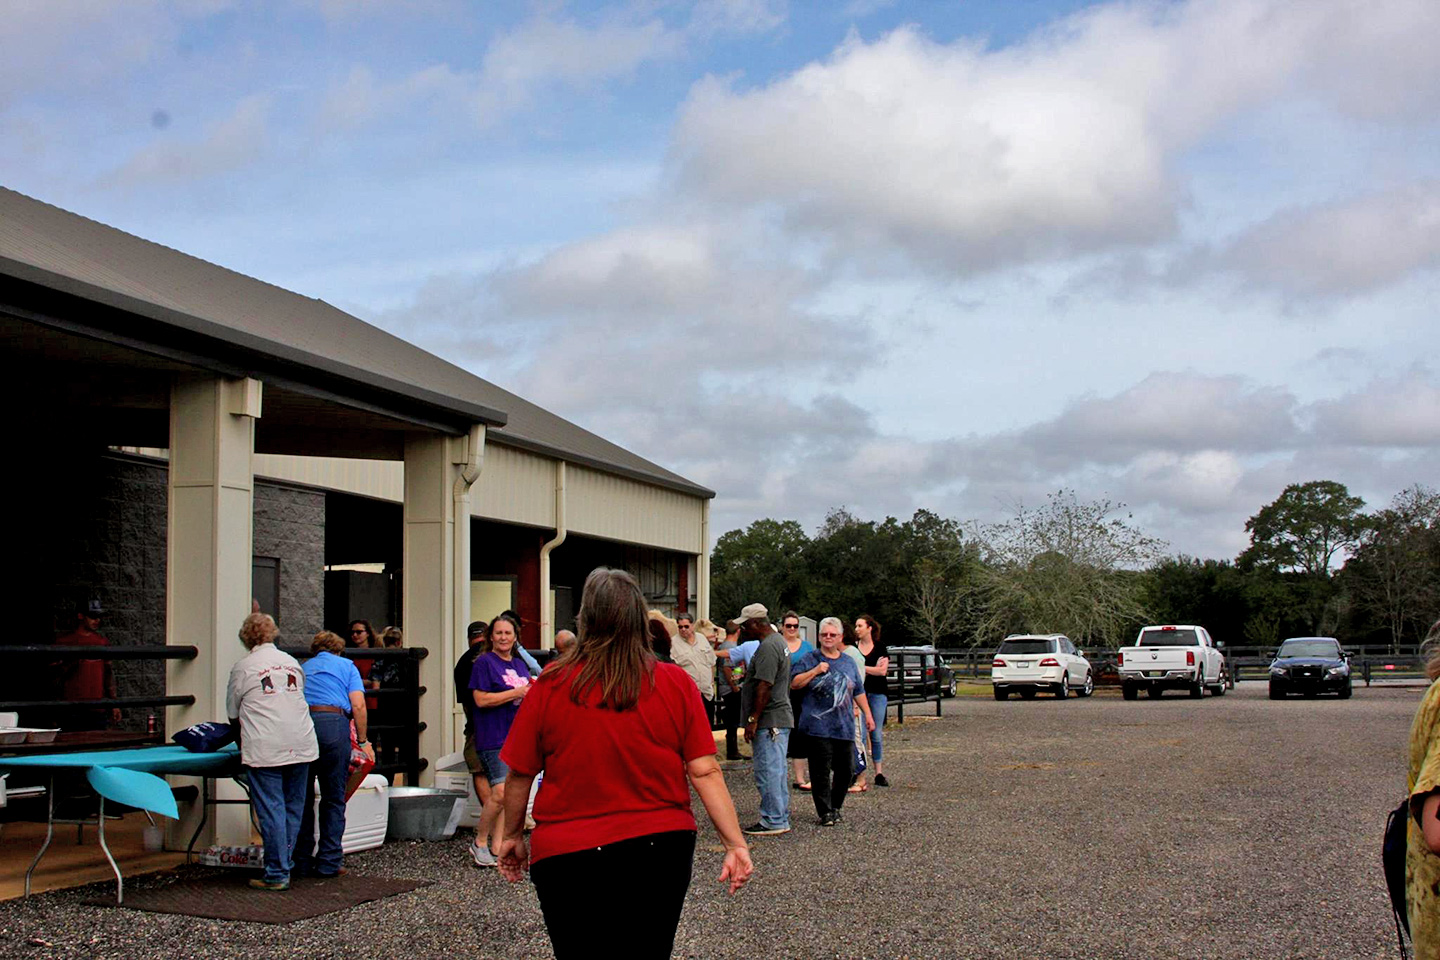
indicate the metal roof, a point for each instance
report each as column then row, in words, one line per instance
column 225, row 311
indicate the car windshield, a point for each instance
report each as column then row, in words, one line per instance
column 1169, row 638
column 1310, row 648
column 1027, row 646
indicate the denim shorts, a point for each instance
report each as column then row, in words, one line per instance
column 494, row 767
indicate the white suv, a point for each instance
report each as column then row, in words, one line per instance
column 1026, row 662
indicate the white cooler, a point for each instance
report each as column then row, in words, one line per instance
column 367, row 815
column 452, row 774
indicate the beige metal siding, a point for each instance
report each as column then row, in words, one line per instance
column 604, row 505
column 381, row 479
column 516, row 486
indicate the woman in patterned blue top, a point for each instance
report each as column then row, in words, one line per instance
column 832, row 687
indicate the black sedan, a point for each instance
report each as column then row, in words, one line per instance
column 1310, row 665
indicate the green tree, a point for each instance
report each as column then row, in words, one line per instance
column 1394, row 574
column 1304, row 528
column 1302, row 532
column 1069, row 567
column 763, row 563
column 1208, row 592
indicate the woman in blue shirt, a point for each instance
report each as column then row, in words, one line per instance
column 832, row 688
column 336, row 694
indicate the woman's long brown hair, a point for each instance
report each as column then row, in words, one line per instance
column 611, row 651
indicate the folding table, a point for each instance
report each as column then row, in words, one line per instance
column 129, row 777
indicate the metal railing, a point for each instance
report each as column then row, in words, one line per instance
column 920, row 690
column 395, row 725
column 66, row 652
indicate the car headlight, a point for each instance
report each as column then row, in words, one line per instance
column 1278, row 671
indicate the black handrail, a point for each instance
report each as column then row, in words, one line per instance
column 105, row 703
column 66, row 651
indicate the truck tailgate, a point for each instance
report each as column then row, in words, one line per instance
column 1156, row 659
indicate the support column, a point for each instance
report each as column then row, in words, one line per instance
column 433, row 465
column 702, row 566
column 209, row 561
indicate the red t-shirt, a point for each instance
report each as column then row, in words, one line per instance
column 84, row 679
column 609, row 775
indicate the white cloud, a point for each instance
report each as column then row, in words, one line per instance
column 709, row 17
column 74, row 44
column 1176, row 412
column 518, row 66
column 1393, row 412
column 1350, row 246
column 966, row 158
column 228, row 144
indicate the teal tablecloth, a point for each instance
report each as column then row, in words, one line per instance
column 132, row 776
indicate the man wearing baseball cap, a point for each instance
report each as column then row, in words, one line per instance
column 83, row 680
column 765, row 701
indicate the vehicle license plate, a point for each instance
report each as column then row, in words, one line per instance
column 1155, row 673
column 1024, row 664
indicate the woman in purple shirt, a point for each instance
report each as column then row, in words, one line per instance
column 498, row 682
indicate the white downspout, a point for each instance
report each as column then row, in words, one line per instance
column 702, row 565
column 456, row 641
column 547, row 602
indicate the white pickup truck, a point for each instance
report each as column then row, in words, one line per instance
column 1181, row 656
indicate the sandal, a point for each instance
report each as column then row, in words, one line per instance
column 859, row 788
column 801, row 786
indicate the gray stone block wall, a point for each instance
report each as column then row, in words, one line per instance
column 117, row 525
column 119, row 556
column 290, row 526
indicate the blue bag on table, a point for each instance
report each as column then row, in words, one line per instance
column 205, row 737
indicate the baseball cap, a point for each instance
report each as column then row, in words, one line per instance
column 753, row 611
column 93, row 608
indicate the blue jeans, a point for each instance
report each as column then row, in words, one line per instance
column 332, row 732
column 878, row 702
column 771, row 777
column 277, row 795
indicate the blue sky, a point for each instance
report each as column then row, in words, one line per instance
column 950, row 255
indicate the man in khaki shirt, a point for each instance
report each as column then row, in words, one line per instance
column 697, row 658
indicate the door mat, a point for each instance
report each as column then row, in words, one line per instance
column 231, row 898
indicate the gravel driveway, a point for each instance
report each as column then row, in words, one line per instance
column 1223, row 827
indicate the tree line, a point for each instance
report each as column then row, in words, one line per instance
column 1317, row 564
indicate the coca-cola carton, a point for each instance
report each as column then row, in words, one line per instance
column 249, row 856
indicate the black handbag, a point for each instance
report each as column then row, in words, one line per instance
column 1392, row 857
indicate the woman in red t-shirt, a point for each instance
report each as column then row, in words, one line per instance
column 618, row 735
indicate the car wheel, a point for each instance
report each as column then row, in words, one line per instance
column 1128, row 691
column 1219, row 689
column 1063, row 690
column 1089, row 687
column 950, row 688
column 1027, row 693
column 1153, row 692
column 1002, row 694
column 1345, row 691
column 1276, row 693
column 1197, row 689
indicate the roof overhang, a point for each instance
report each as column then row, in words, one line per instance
column 82, row 309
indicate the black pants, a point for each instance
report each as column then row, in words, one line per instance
column 730, row 717
column 830, row 765
column 644, row 879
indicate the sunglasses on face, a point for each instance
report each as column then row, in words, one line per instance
column 792, row 626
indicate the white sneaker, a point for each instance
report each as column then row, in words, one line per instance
column 482, row 856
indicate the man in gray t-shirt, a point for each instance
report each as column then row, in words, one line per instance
column 768, row 718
